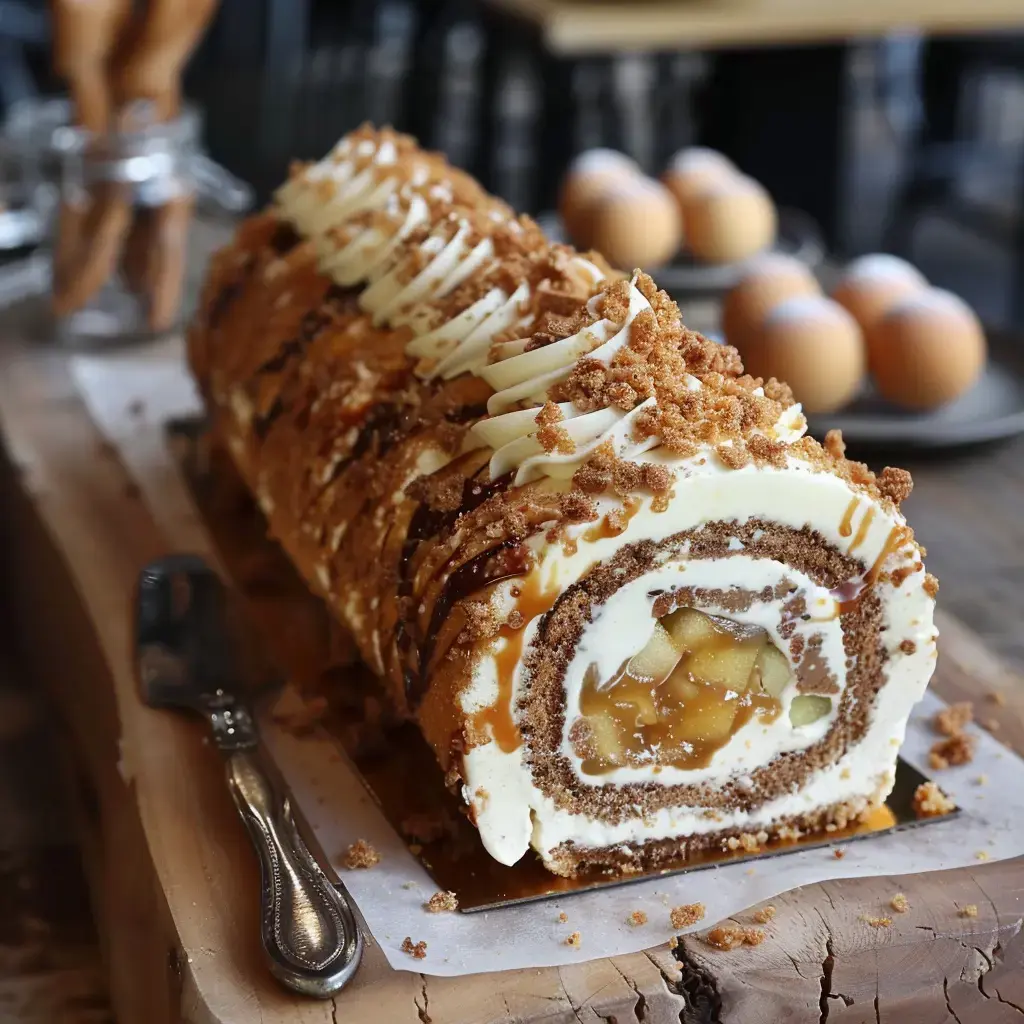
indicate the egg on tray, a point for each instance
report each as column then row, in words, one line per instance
column 927, row 350
column 588, row 180
column 873, row 284
column 728, row 219
column 770, row 279
column 814, row 345
column 636, row 224
column 693, row 168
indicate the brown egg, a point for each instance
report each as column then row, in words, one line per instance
column 636, row 224
column 815, row 346
column 771, row 278
column 929, row 349
column 872, row 285
column 589, row 177
column 729, row 219
column 694, row 168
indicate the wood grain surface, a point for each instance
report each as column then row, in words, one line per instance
column 173, row 880
column 609, row 26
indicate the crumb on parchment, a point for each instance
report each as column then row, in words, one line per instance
column 684, row 916
column 952, row 719
column 930, row 801
column 563, row 917
column 360, row 854
column 442, row 901
column 575, row 940
column 954, row 750
column 417, row 950
column 637, row 918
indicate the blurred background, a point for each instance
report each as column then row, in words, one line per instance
column 904, row 141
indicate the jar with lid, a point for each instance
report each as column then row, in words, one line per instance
column 120, row 240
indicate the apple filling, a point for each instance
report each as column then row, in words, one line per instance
column 699, row 679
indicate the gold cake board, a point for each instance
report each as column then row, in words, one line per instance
column 172, row 877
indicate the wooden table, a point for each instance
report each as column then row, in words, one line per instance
column 576, row 27
column 173, row 880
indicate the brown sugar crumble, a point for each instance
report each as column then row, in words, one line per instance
column 764, row 915
column 442, row 901
column 950, row 721
column 360, row 854
column 970, row 910
column 955, row 750
column 575, row 940
column 899, row 903
column 636, row 919
column 417, row 950
column 684, row 916
column 732, row 936
column 930, row 801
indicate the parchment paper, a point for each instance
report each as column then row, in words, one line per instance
column 390, row 896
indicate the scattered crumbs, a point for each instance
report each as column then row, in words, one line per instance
column 360, row 854
column 764, row 914
column 981, row 855
column 981, row 780
column 970, row 910
column 951, row 720
column 845, row 773
column 998, row 698
column 575, row 940
column 930, row 801
column 636, row 919
column 441, row 901
column 751, row 871
column 563, row 917
column 954, row 750
column 673, row 942
column 878, row 922
column 731, row 936
column 684, row 916
column 417, row 950
column 899, row 903
column 409, row 885
column 991, row 724
column 838, row 853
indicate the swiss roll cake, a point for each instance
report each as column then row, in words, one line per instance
column 635, row 610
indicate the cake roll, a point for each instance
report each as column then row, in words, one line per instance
column 632, row 606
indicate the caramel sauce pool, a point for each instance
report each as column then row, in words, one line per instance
column 533, row 600
column 679, row 722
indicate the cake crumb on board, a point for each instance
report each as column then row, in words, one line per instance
column 951, row 720
column 899, row 903
column 930, row 801
column 417, row 950
column 764, row 915
column 969, row 910
column 732, row 936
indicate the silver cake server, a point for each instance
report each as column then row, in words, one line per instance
column 187, row 659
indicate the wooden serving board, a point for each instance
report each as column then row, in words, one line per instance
column 173, row 880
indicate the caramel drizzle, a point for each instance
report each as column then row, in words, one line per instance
column 534, row 600
column 849, row 595
column 862, row 530
column 846, row 523
column 606, row 527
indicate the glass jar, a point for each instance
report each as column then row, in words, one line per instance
column 120, row 236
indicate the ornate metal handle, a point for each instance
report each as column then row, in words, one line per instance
column 308, row 929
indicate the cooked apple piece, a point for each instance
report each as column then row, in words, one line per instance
column 655, row 662
column 706, row 722
column 604, row 735
column 688, row 628
column 728, row 664
column 808, row 708
column 772, row 669
column 682, row 687
column 638, row 702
